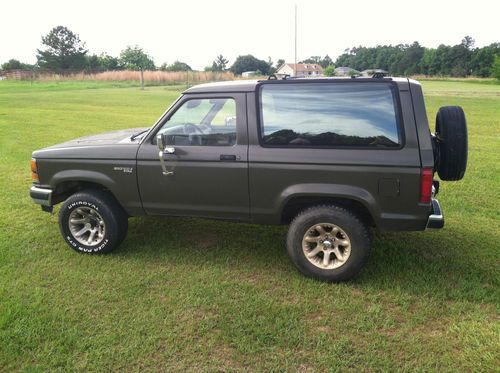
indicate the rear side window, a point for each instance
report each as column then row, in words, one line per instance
column 329, row 115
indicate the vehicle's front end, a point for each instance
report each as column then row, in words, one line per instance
column 106, row 161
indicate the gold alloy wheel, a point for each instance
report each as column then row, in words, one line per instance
column 326, row 246
column 87, row 226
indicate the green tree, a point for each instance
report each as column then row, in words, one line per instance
column 220, row 63
column 442, row 62
column 92, row 63
column 176, row 66
column 109, row 63
column 312, row 59
column 280, row 63
column 428, row 65
column 329, row 70
column 326, row 61
column 482, row 60
column 14, row 64
column 134, row 58
column 496, row 67
column 462, row 59
column 102, row 62
column 249, row 63
column 63, row 50
column 412, row 56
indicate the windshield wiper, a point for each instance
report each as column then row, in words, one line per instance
column 133, row 137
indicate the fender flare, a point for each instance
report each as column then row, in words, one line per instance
column 83, row 175
column 331, row 191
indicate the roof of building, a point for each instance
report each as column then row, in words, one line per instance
column 303, row 66
column 344, row 69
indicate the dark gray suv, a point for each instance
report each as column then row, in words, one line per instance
column 330, row 157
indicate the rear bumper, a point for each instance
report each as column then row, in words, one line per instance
column 41, row 196
column 436, row 218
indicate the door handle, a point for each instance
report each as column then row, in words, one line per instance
column 228, row 157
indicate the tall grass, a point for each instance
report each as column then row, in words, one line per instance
column 152, row 77
column 474, row 79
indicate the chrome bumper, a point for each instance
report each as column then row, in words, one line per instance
column 436, row 218
column 41, row 196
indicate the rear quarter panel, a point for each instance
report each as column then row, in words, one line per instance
column 278, row 174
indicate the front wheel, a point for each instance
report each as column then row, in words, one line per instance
column 92, row 222
column 328, row 243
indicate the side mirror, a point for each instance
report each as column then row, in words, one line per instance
column 161, row 141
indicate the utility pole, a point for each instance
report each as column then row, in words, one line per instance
column 295, row 62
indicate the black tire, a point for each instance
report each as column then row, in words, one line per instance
column 357, row 234
column 86, row 209
column 451, row 134
column 122, row 217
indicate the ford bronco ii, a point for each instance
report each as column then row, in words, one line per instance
column 332, row 158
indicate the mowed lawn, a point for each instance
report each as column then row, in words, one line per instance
column 199, row 295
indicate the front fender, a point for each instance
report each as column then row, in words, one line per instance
column 118, row 176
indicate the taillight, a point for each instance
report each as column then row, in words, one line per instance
column 34, row 171
column 425, row 185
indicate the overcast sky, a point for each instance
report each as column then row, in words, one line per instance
column 197, row 31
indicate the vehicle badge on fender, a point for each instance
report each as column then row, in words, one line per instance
column 127, row 170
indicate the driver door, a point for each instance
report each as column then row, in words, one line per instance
column 207, row 173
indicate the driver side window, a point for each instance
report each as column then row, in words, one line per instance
column 202, row 122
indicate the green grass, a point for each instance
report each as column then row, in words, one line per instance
column 228, row 298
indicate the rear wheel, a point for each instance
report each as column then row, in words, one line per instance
column 451, row 143
column 92, row 222
column 328, row 243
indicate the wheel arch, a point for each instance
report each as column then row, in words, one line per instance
column 66, row 184
column 355, row 199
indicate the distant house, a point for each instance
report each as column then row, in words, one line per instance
column 300, row 69
column 345, row 71
column 247, row 74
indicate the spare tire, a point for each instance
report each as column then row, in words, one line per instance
column 451, row 136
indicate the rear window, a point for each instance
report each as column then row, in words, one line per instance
column 329, row 115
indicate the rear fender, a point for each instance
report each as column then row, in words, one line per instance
column 331, row 191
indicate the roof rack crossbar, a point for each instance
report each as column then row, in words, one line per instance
column 278, row 76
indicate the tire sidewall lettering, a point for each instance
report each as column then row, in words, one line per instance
column 89, row 249
column 77, row 204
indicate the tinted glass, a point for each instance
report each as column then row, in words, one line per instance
column 323, row 114
column 203, row 122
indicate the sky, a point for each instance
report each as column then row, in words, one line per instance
column 196, row 32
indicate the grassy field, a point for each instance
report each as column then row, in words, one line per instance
column 230, row 299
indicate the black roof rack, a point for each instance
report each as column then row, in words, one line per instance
column 278, row 76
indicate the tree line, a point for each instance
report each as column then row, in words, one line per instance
column 460, row 60
column 62, row 52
